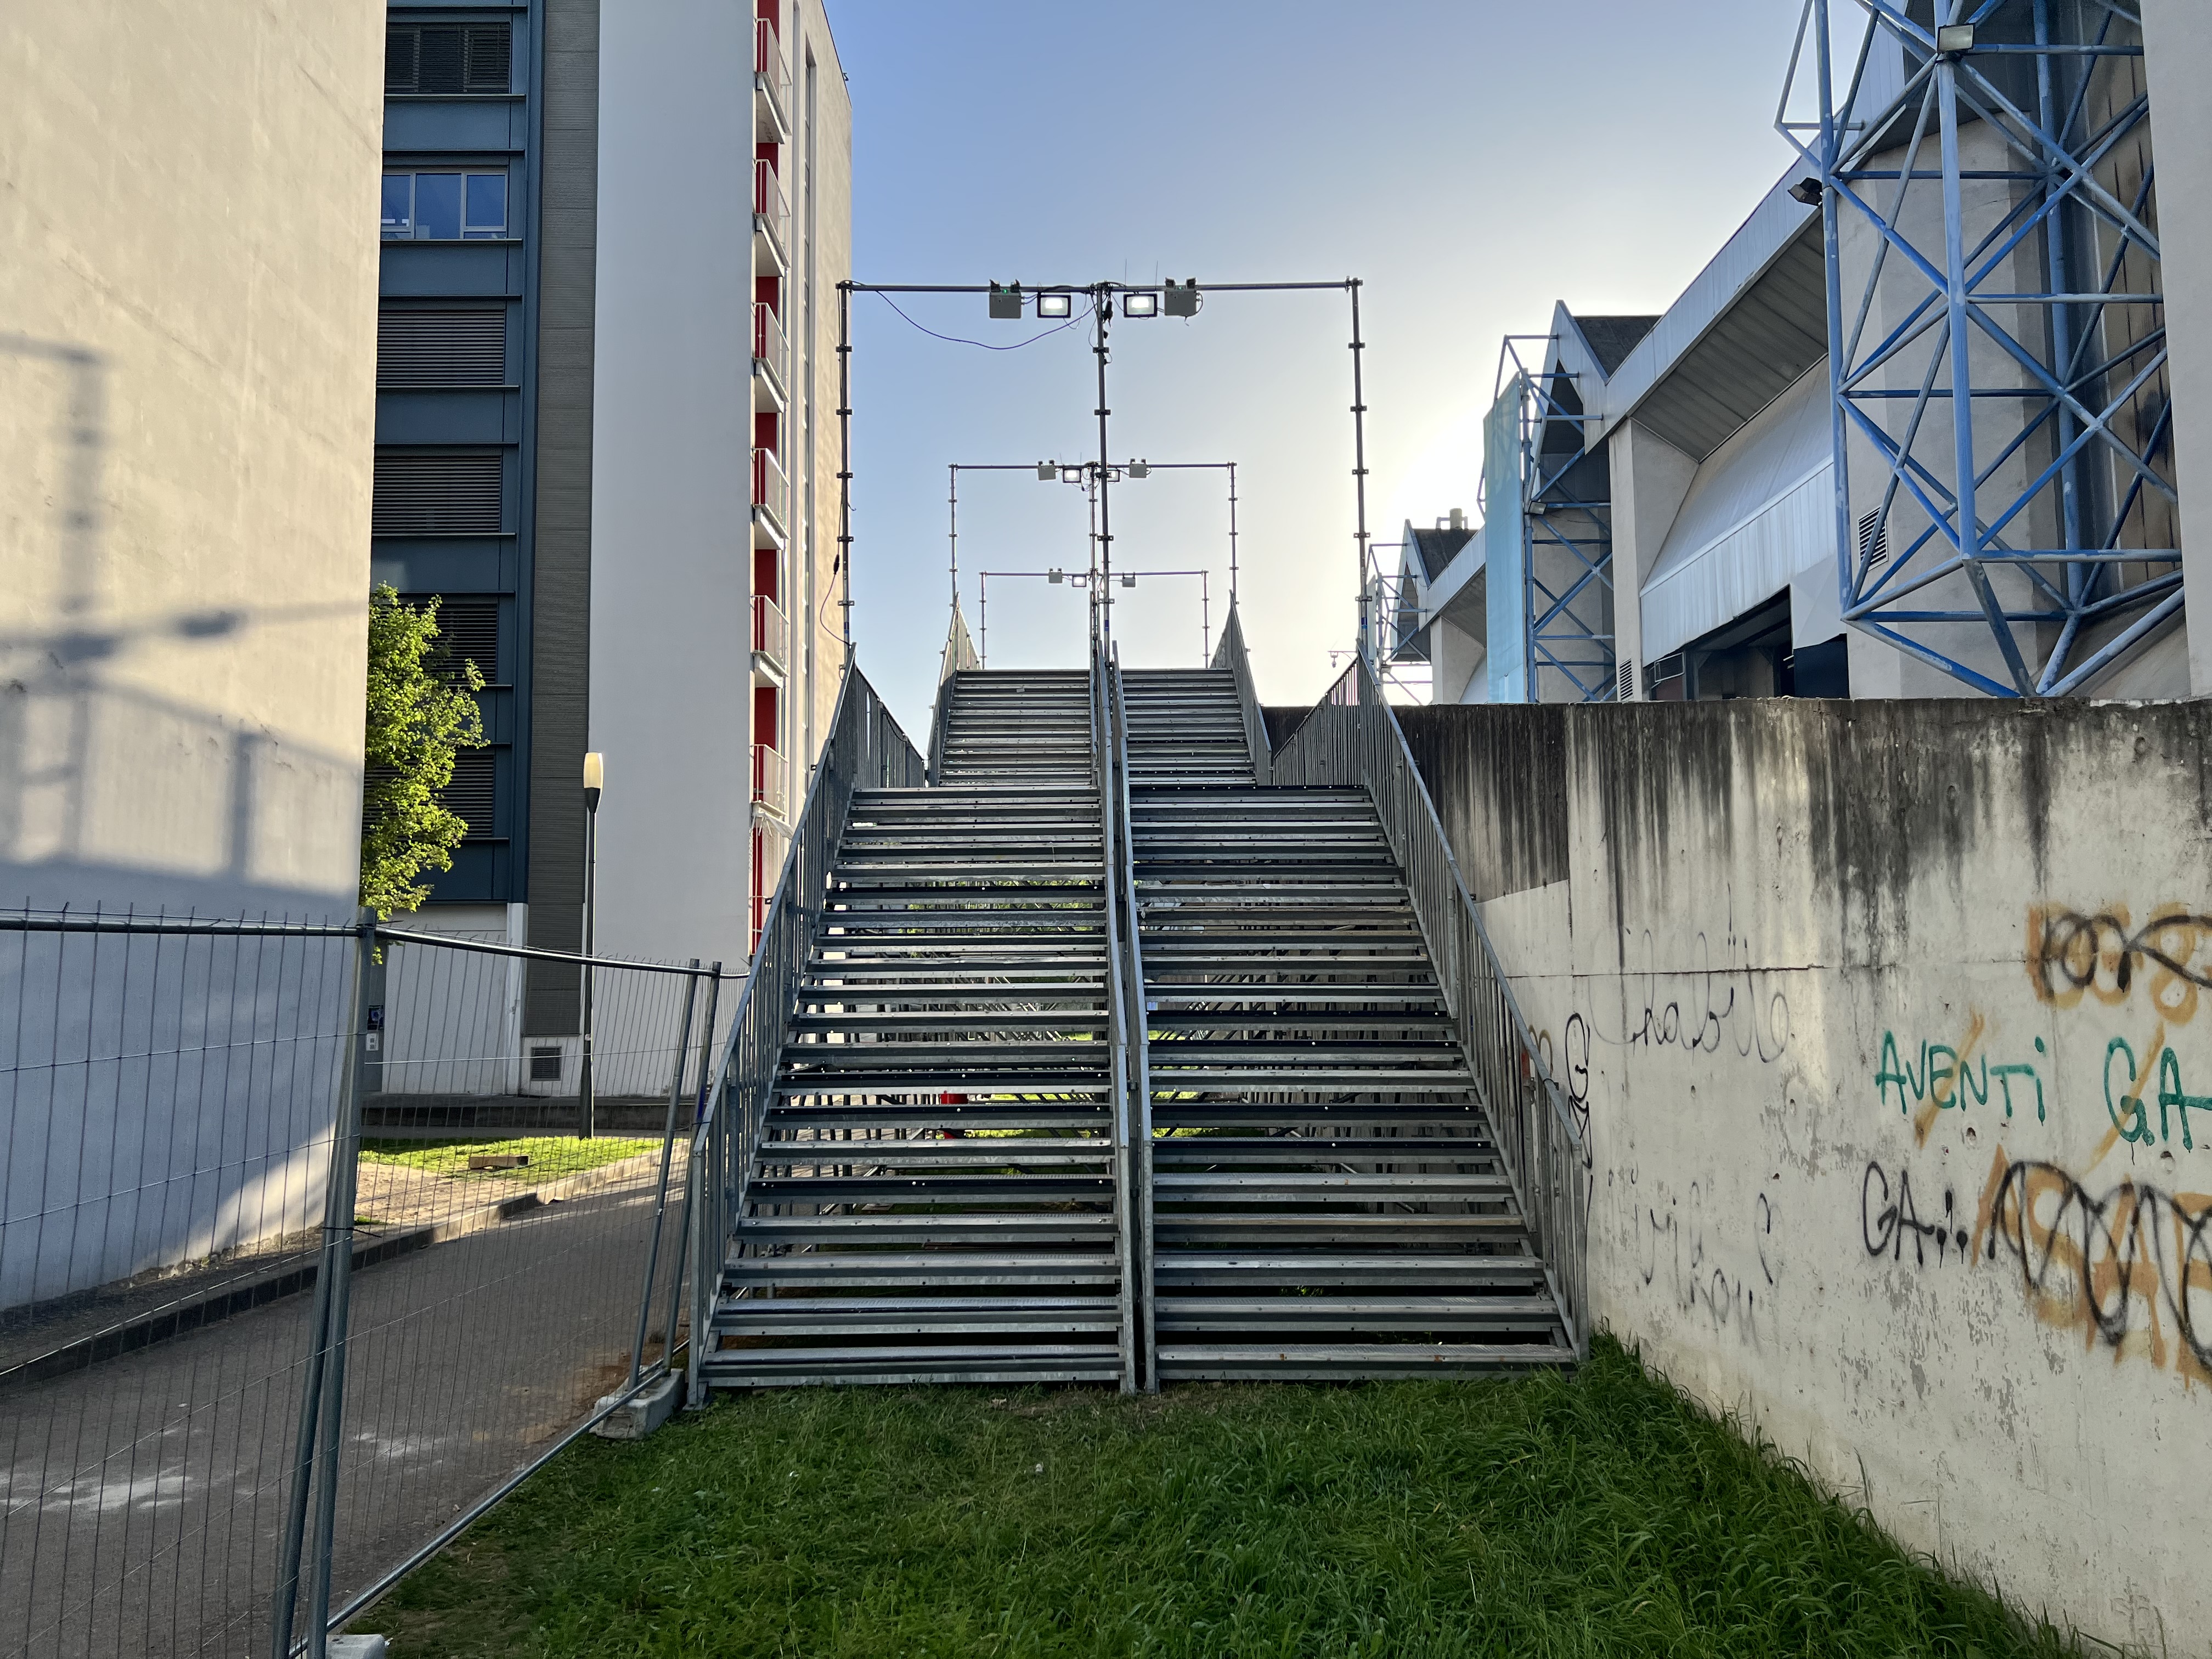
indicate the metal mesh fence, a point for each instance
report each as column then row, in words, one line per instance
column 303, row 1261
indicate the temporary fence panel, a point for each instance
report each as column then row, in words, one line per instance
column 254, row 1364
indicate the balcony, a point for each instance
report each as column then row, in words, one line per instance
column 772, row 215
column 770, row 636
column 771, row 86
column 771, row 501
column 771, row 783
column 771, row 360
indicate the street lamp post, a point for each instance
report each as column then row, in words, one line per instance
column 595, row 778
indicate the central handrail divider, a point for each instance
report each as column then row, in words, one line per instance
column 1231, row 655
column 866, row 750
column 1108, row 754
column 1140, row 1161
column 1353, row 738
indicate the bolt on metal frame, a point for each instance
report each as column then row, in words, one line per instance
column 2072, row 571
column 1566, row 551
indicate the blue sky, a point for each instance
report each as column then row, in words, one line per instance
column 1472, row 162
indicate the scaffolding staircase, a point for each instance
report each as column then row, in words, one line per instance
column 973, row 1166
column 1326, row 1198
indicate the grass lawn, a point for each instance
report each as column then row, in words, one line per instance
column 551, row 1156
column 1596, row 1514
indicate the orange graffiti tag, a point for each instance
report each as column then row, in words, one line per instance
column 2090, row 1264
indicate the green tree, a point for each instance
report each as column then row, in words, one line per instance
column 421, row 711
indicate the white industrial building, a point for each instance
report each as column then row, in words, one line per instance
column 1664, row 512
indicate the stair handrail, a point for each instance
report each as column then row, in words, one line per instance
column 959, row 658
column 1138, row 1173
column 866, row 750
column 1231, row 654
column 1103, row 754
column 1353, row 737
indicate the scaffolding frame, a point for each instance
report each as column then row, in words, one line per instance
column 1567, row 530
column 2076, row 397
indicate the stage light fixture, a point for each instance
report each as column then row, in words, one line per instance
column 1141, row 304
column 1056, row 304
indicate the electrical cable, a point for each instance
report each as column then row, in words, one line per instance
column 951, row 339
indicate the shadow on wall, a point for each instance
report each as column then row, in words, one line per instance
column 116, row 791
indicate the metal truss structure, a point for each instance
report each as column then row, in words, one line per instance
column 1565, row 583
column 1997, row 344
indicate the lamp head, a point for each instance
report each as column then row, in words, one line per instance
column 595, row 779
column 1049, row 305
column 1141, row 304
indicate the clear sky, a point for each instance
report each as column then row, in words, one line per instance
column 1473, row 161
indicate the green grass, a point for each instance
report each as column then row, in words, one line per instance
column 551, row 1156
column 1596, row 1514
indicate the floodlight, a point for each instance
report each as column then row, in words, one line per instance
column 1141, row 468
column 1953, row 39
column 1182, row 298
column 1056, row 304
column 1141, row 304
column 1071, row 475
column 1047, row 471
column 1006, row 302
column 1807, row 190
column 1055, row 575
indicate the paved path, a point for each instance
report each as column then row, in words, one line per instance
column 141, row 1501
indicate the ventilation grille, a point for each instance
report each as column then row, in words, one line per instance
column 1623, row 685
column 442, row 348
column 1874, row 540
column 544, row 1064
column 468, row 631
column 448, row 58
column 469, row 796
column 437, row 495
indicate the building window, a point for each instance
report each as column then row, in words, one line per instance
column 437, row 494
column 448, row 58
column 442, row 348
column 444, row 207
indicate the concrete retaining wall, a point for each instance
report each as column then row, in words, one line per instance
column 1892, row 1021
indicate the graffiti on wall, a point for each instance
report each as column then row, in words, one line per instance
column 2125, row 1262
column 2132, row 1265
column 1722, row 1269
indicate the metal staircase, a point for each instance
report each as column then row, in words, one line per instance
column 1328, row 1200
column 931, row 1195
column 1098, row 1061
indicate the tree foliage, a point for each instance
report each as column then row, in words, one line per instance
column 421, row 711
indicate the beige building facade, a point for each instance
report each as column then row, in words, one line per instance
column 187, row 342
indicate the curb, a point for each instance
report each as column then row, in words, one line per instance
column 181, row 1319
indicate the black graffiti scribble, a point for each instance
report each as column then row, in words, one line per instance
column 1703, row 1025
column 2135, row 1244
column 1575, row 1069
column 2072, row 946
column 1886, row 1222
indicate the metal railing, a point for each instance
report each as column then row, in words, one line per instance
column 771, row 489
column 958, row 658
column 1134, row 1165
column 1231, row 654
column 865, row 750
column 770, row 344
column 771, row 75
column 771, row 632
column 771, row 208
column 1124, row 1004
column 1351, row 738
column 771, row 781
column 268, row 1340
